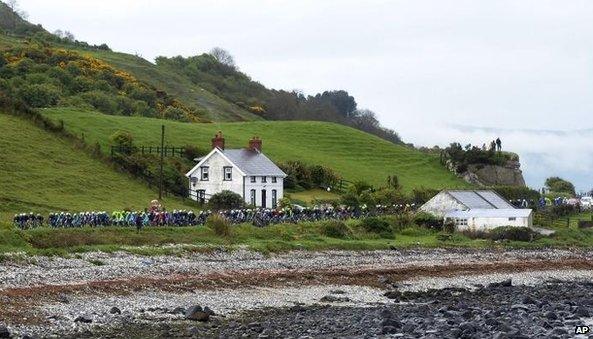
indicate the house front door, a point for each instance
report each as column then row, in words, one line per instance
column 263, row 198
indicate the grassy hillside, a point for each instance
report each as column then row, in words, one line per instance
column 40, row 172
column 214, row 107
column 353, row 154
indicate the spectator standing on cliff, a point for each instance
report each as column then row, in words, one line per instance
column 498, row 144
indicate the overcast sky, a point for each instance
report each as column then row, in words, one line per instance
column 521, row 70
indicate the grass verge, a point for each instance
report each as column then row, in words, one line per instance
column 275, row 238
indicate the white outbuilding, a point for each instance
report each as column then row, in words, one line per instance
column 245, row 171
column 486, row 219
column 477, row 210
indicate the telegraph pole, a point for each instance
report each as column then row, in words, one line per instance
column 162, row 158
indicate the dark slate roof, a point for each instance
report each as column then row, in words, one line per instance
column 481, row 199
column 253, row 162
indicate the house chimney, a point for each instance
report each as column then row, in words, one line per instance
column 255, row 144
column 218, row 141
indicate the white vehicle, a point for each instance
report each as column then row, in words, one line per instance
column 587, row 202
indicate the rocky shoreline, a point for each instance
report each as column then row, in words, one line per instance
column 300, row 294
column 550, row 309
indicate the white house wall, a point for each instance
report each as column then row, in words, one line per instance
column 440, row 204
column 258, row 186
column 216, row 183
column 485, row 224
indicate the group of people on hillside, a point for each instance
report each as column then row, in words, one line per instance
column 156, row 217
column 28, row 220
column 544, row 202
column 495, row 145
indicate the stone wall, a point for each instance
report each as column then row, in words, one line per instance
column 489, row 175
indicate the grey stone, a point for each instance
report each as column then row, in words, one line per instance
column 196, row 313
column 334, row 299
column 520, row 307
column 4, row 332
column 528, row 300
column 504, row 283
column 389, row 330
column 83, row 319
column 582, row 312
column 178, row 310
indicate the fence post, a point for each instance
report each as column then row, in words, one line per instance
column 161, row 163
column 142, row 150
column 567, row 222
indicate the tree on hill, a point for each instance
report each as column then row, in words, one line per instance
column 17, row 12
column 216, row 72
column 559, row 185
column 223, row 56
column 13, row 20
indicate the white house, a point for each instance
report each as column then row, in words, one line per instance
column 246, row 171
column 477, row 210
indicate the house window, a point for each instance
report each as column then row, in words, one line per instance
column 205, row 174
column 228, row 173
column 274, row 199
column 512, row 219
column 252, row 197
column 252, row 179
column 461, row 222
column 274, row 180
column 264, row 179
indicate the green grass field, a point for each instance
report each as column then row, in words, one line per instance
column 312, row 195
column 39, row 172
column 353, row 154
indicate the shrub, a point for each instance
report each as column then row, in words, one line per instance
column 191, row 152
column 512, row 233
column 101, row 101
column 517, row 192
column 350, row 200
column 290, row 181
column 39, row 95
column 300, row 171
column 368, row 199
column 449, row 227
column 219, row 225
column 428, row 220
column 361, row 186
column 402, row 220
column 422, row 195
column 323, row 176
column 175, row 113
column 393, row 182
column 556, row 184
column 335, row 229
column 122, row 139
column 376, row 225
column 389, row 196
column 284, row 203
column 226, row 200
